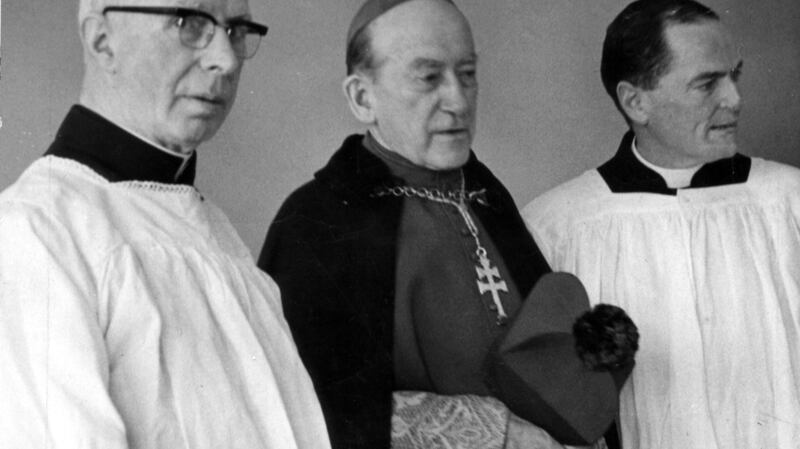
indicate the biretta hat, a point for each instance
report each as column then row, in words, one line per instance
column 369, row 11
column 535, row 370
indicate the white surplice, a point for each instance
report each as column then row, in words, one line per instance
column 132, row 316
column 711, row 276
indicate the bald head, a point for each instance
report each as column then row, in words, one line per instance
column 419, row 23
column 359, row 54
column 369, row 11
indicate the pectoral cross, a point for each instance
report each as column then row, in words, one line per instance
column 488, row 272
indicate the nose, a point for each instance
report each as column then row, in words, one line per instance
column 455, row 97
column 219, row 54
column 729, row 94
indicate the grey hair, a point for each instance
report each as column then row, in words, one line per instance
column 85, row 7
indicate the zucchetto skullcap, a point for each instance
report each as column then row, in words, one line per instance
column 369, row 11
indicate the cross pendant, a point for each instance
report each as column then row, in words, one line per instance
column 489, row 273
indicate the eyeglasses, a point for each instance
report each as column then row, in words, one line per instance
column 196, row 28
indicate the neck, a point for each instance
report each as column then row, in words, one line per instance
column 676, row 178
column 119, row 114
column 406, row 170
column 376, row 140
column 375, row 134
column 654, row 151
column 184, row 153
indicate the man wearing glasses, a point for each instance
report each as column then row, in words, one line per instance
column 131, row 314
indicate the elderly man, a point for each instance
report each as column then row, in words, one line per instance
column 404, row 258
column 132, row 314
column 700, row 244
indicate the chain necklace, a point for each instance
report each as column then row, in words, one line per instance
column 488, row 277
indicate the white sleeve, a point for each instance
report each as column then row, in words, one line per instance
column 53, row 362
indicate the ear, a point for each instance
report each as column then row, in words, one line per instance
column 96, row 38
column 634, row 101
column 358, row 91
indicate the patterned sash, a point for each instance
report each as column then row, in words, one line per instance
column 429, row 421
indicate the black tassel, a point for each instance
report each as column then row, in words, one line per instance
column 605, row 338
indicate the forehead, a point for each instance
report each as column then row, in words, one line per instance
column 706, row 46
column 221, row 8
column 429, row 29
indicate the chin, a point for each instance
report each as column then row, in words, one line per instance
column 198, row 130
column 449, row 159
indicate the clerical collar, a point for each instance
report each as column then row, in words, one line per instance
column 183, row 157
column 625, row 173
column 409, row 172
column 676, row 178
column 116, row 154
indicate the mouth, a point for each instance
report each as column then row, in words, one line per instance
column 215, row 100
column 453, row 132
column 206, row 105
column 724, row 126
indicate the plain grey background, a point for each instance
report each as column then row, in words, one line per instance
column 543, row 116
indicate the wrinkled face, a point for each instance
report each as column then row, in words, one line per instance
column 425, row 87
column 695, row 106
column 174, row 95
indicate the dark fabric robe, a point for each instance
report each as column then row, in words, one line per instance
column 332, row 251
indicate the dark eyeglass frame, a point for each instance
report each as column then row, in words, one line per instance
column 183, row 13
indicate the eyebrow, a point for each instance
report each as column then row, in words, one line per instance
column 428, row 63
column 708, row 76
column 240, row 18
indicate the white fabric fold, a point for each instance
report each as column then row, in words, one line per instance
column 132, row 316
column 711, row 277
